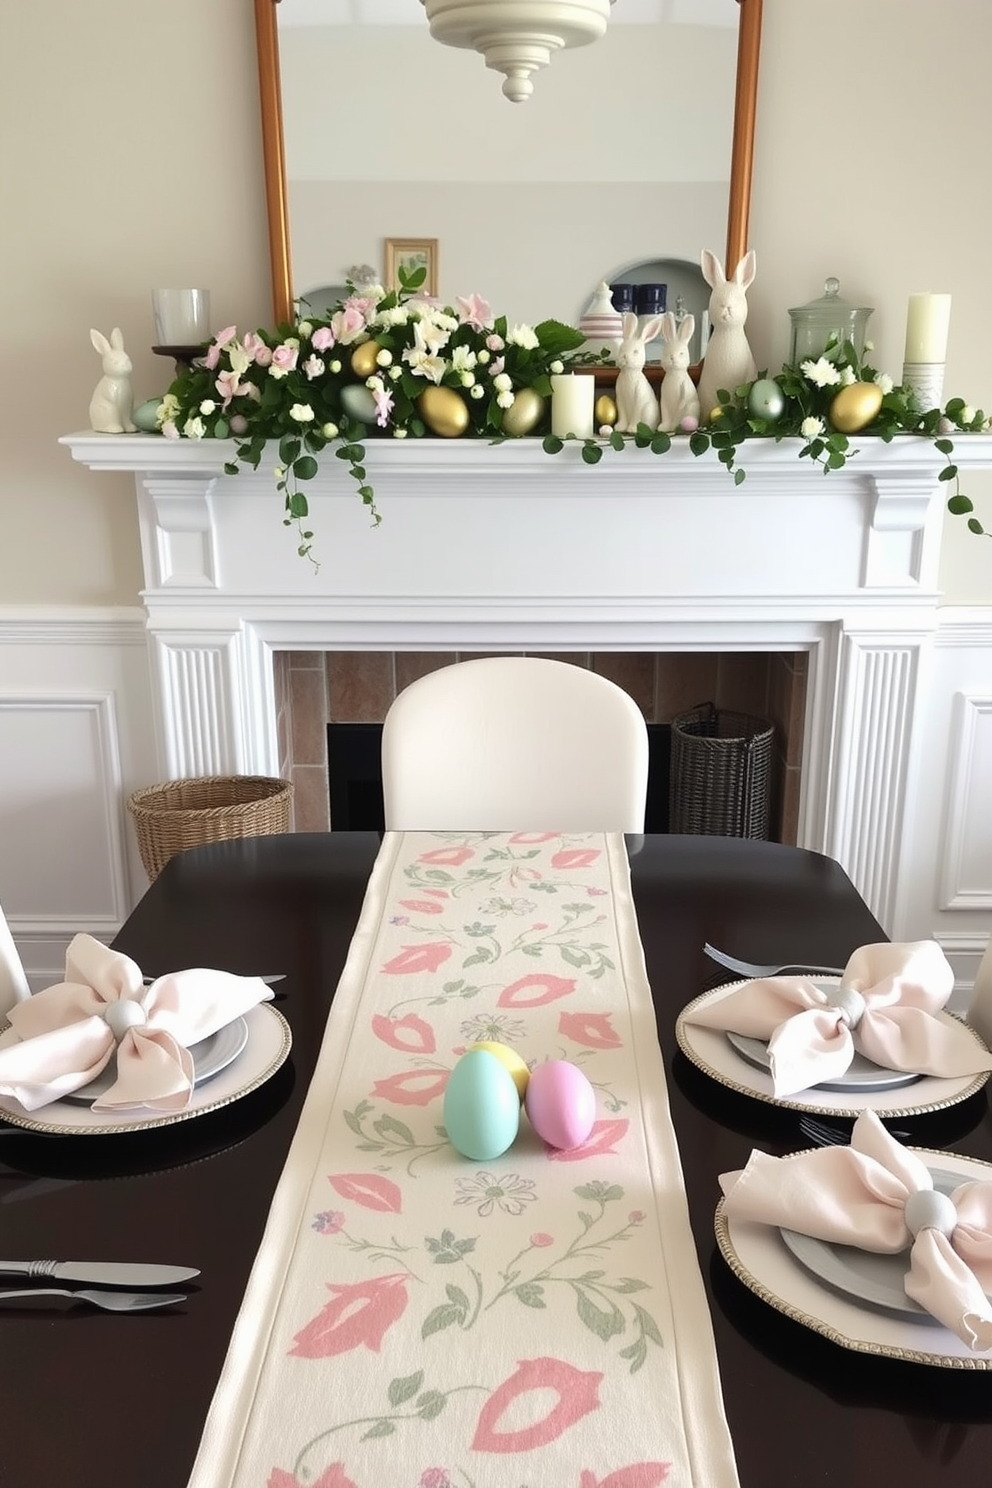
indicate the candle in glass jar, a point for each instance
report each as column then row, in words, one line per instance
column 927, row 322
column 573, row 397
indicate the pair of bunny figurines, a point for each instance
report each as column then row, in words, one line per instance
column 728, row 361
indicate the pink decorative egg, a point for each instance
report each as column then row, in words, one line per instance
column 561, row 1103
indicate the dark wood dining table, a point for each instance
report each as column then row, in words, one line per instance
column 101, row 1401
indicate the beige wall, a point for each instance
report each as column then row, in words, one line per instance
column 130, row 158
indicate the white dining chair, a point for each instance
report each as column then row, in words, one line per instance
column 980, row 1006
column 13, row 982
column 514, row 742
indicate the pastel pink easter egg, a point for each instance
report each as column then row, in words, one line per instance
column 561, row 1103
column 689, row 424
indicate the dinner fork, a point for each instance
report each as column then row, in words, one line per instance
column 822, row 1135
column 109, row 1301
column 752, row 969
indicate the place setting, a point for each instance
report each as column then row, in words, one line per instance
column 110, row 1051
column 874, row 1035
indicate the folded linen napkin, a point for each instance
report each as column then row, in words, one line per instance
column 61, row 1038
column 878, row 1196
column 886, row 1007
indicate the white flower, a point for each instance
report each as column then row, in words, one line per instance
column 884, row 381
column 505, row 400
column 847, row 376
column 168, row 409
column 278, row 373
column 967, row 415
column 207, row 406
column 556, row 367
column 869, row 346
column 483, row 357
column 398, row 316
column 329, row 431
column 279, row 471
column 821, row 372
column 384, row 357
column 399, row 433
column 395, row 373
column 301, row 412
column 502, row 382
column 194, row 428
column 335, row 367
column 463, row 359
column 313, row 367
column 522, row 335
column 305, row 328
column 237, row 356
column 477, row 391
column 375, row 384
column 810, row 428
column 468, row 379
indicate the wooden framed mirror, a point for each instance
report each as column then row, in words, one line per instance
column 274, row 156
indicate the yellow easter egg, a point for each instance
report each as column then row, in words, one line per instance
column 715, row 413
column 855, row 406
column 363, row 358
column 510, row 1060
column 443, row 411
column 524, row 413
column 605, row 410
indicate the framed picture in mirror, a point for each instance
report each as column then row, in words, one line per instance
column 410, row 254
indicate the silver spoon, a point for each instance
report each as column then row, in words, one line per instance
column 752, row 969
column 110, row 1301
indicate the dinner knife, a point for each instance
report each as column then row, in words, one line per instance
column 101, row 1273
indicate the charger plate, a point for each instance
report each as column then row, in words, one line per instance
column 711, row 1051
column 267, row 1047
column 762, row 1261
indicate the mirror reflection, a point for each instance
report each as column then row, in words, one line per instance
column 617, row 168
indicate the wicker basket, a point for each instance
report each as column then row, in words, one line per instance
column 189, row 813
column 720, row 782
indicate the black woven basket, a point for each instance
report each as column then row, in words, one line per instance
column 720, row 781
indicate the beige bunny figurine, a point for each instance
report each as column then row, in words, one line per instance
column 728, row 361
column 635, row 399
column 110, row 405
column 679, row 399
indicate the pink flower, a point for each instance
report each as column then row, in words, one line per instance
column 371, row 1190
column 540, row 1239
column 229, row 385
column 577, row 1395
column 600, row 1141
column 552, row 987
column 217, row 345
column 422, row 906
column 411, row 959
column 637, row 1475
column 434, row 1477
column 412, row 1088
column 383, row 406
column 636, row 1216
column 332, row 1477
column 360, row 1315
column 347, row 324
column 322, row 338
column 495, row 343
column 532, row 837
column 475, row 312
column 592, row 1029
column 257, row 349
column 409, row 1033
column 452, row 857
column 329, row 1222
column 285, row 357
column 575, row 857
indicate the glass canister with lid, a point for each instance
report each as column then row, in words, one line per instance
column 827, row 319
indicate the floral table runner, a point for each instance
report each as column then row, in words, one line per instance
column 415, row 1319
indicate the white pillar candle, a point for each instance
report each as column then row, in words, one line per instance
column 182, row 316
column 573, row 398
column 927, row 322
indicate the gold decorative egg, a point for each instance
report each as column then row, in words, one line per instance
column 443, row 411
column 855, row 406
column 363, row 362
column 524, row 413
column 605, row 410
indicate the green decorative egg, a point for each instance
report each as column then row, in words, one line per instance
column 766, row 400
column 358, row 403
column 145, row 416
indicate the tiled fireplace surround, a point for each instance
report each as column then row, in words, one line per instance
column 793, row 595
column 315, row 688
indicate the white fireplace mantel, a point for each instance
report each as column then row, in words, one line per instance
column 507, row 548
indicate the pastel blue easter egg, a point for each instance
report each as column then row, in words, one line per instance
column 358, row 403
column 766, row 399
column 481, row 1106
column 145, row 416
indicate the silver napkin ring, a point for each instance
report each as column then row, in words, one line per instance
column 123, row 1015
column 847, row 1001
column 930, row 1210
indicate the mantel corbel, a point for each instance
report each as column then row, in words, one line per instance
column 901, row 499
column 182, row 530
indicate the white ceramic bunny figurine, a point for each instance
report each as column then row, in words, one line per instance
column 728, row 361
column 635, row 399
column 110, row 405
column 679, row 399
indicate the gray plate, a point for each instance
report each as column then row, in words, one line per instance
column 862, row 1274
column 210, row 1056
column 861, row 1074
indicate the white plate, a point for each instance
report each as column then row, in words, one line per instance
column 861, row 1074
column 757, row 1257
column 268, row 1045
column 711, row 1051
column 863, row 1274
column 210, row 1056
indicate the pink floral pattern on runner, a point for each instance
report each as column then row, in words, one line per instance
column 460, row 1325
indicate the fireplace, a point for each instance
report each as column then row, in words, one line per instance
column 485, row 549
